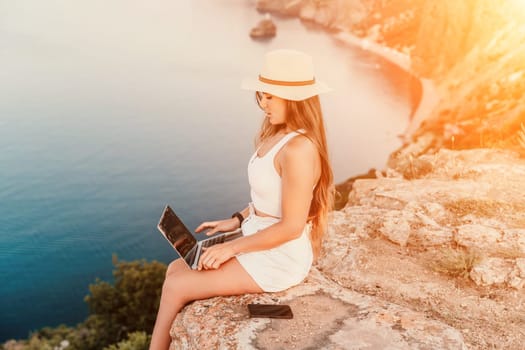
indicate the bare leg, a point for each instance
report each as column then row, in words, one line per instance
column 183, row 285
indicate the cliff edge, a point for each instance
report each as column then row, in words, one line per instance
column 432, row 259
column 431, row 253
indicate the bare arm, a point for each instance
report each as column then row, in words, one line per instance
column 299, row 164
column 225, row 225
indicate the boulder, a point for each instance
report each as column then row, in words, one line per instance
column 264, row 29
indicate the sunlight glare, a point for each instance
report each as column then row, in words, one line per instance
column 519, row 6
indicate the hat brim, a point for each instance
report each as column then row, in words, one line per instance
column 294, row 93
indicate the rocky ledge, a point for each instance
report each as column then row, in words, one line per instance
column 429, row 256
column 326, row 316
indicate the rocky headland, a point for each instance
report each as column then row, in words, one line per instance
column 428, row 253
column 429, row 256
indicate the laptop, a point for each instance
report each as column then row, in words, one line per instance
column 183, row 241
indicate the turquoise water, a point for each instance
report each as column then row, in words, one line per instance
column 110, row 110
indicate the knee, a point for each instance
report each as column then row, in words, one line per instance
column 170, row 284
column 176, row 266
column 174, row 289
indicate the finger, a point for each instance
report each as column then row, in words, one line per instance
column 213, row 263
column 205, row 225
column 203, row 265
column 202, row 259
column 212, row 231
column 202, row 227
column 208, row 265
column 207, row 260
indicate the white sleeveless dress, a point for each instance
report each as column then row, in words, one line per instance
column 286, row 265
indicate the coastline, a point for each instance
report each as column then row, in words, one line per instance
column 428, row 96
column 393, row 56
column 424, row 95
column 380, row 245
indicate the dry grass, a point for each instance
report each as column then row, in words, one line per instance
column 509, row 253
column 456, row 263
column 510, row 212
column 482, row 208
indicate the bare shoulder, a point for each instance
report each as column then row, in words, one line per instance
column 300, row 157
column 300, row 146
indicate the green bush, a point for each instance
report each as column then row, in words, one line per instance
column 135, row 341
column 130, row 305
column 125, row 309
column 51, row 338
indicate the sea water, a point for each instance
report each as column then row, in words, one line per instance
column 111, row 110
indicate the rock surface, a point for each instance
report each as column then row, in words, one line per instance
column 472, row 199
column 326, row 316
column 430, row 255
column 409, row 242
column 264, row 29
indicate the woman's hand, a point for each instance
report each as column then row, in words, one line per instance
column 213, row 257
column 218, row 226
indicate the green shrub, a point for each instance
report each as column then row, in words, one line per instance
column 52, row 338
column 125, row 309
column 130, row 305
column 135, row 341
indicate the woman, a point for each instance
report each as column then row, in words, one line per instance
column 291, row 191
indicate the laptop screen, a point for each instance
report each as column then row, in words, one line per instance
column 176, row 232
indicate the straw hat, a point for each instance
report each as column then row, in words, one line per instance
column 288, row 74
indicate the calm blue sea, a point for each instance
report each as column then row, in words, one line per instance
column 111, row 109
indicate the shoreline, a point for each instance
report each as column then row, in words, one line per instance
column 428, row 97
column 424, row 95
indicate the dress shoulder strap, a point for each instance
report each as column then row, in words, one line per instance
column 281, row 143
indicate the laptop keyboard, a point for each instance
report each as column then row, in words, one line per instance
column 214, row 240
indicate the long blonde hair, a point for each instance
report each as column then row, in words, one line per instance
column 307, row 115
